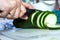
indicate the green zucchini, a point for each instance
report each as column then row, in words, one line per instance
column 34, row 18
column 43, row 18
column 50, row 20
column 39, row 19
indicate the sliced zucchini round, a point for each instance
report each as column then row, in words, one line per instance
column 35, row 18
column 32, row 16
column 42, row 19
column 39, row 19
column 53, row 26
column 50, row 19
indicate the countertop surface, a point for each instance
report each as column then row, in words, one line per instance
column 30, row 34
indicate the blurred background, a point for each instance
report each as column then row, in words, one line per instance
column 31, row 1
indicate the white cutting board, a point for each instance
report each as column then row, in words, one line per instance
column 33, row 34
column 2, row 37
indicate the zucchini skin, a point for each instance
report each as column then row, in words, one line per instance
column 20, row 23
column 39, row 20
column 46, row 24
column 35, row 18
column 43, row 19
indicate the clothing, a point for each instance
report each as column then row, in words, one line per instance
column 57, row 12
column 6, row 24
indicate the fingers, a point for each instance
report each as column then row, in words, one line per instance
column 16, row 15
column 11, row 14
column 22, row 11
column 4, row 13
column 25, row 17
column 28, row 5
column 17, row 10
column 7, row 7
column 14, row 12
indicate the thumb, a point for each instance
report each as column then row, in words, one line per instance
column 28, row 5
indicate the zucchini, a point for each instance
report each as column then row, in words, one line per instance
column 39, row 19
column 42, row 19
column 53, row 26
column 50, row 20
column 34, row 21
column 32, row 16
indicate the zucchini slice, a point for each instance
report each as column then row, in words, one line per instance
column 42, row 19
column 32, row 16
column 53, row 26
column 35, row 18
column 39, row 19
column 50, row 20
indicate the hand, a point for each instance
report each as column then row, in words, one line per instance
column 9, row 8
column 23, row 9
column 13, row 9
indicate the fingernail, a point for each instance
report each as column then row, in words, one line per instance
column 26, row 17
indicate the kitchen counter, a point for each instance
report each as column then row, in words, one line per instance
column 30, row 34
